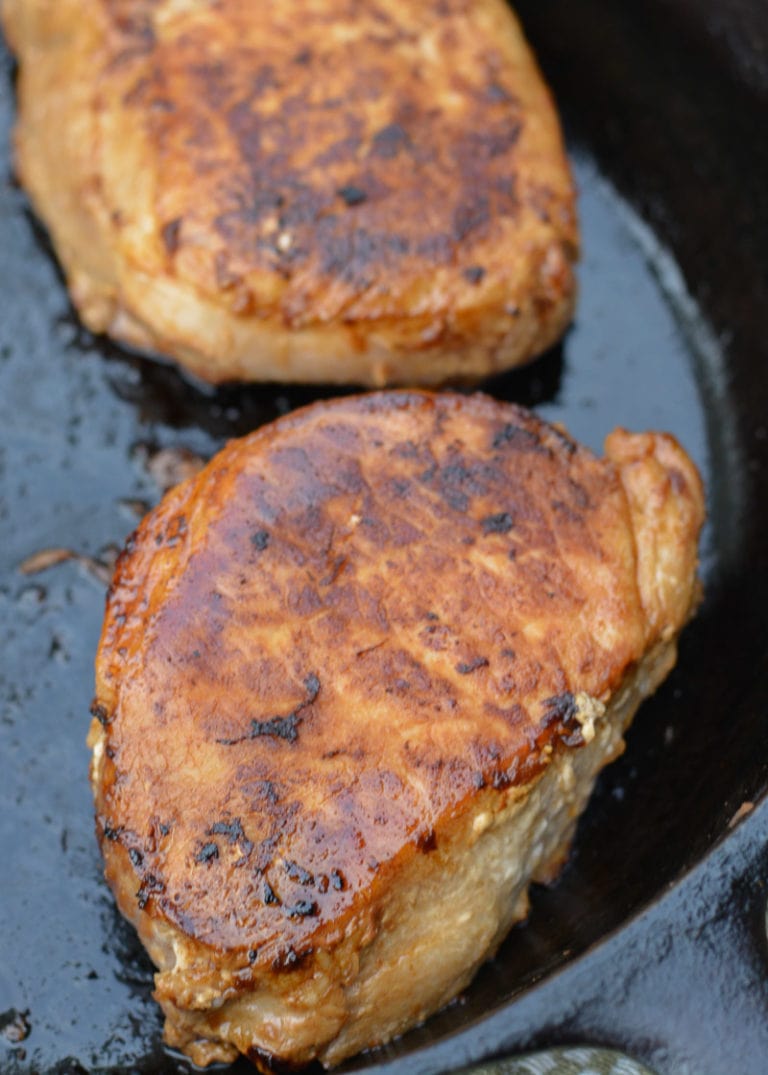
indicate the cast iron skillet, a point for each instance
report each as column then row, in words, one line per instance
column 654, row 938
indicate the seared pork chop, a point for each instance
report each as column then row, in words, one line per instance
column 307, row 190
column 355, row 682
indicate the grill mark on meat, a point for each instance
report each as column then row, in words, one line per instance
column 519, row 439
column 560, row 715
column 207, row 853
column 391, row 140
column 500, row 523
column 297, row 874
column 302, row 909
column 465, row 668
column 150, row 886
column 233, row 830
column 286, row 728
column 260, row 540
column 560, row 707
column 100, row 712
column 269, row 894
column 352, row 195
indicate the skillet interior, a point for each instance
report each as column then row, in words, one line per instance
column 650, row 104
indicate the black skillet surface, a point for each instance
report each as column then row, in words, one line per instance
column 679, row 124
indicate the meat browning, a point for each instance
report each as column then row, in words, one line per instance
column 355, row 682
column 304, row 191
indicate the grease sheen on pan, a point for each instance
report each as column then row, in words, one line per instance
column 355, row 682
column 309, row 190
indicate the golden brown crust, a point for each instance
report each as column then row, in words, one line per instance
column 338, row 633
column 365, row 192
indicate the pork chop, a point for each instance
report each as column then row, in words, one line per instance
column 355, row 683
column 309, row 190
